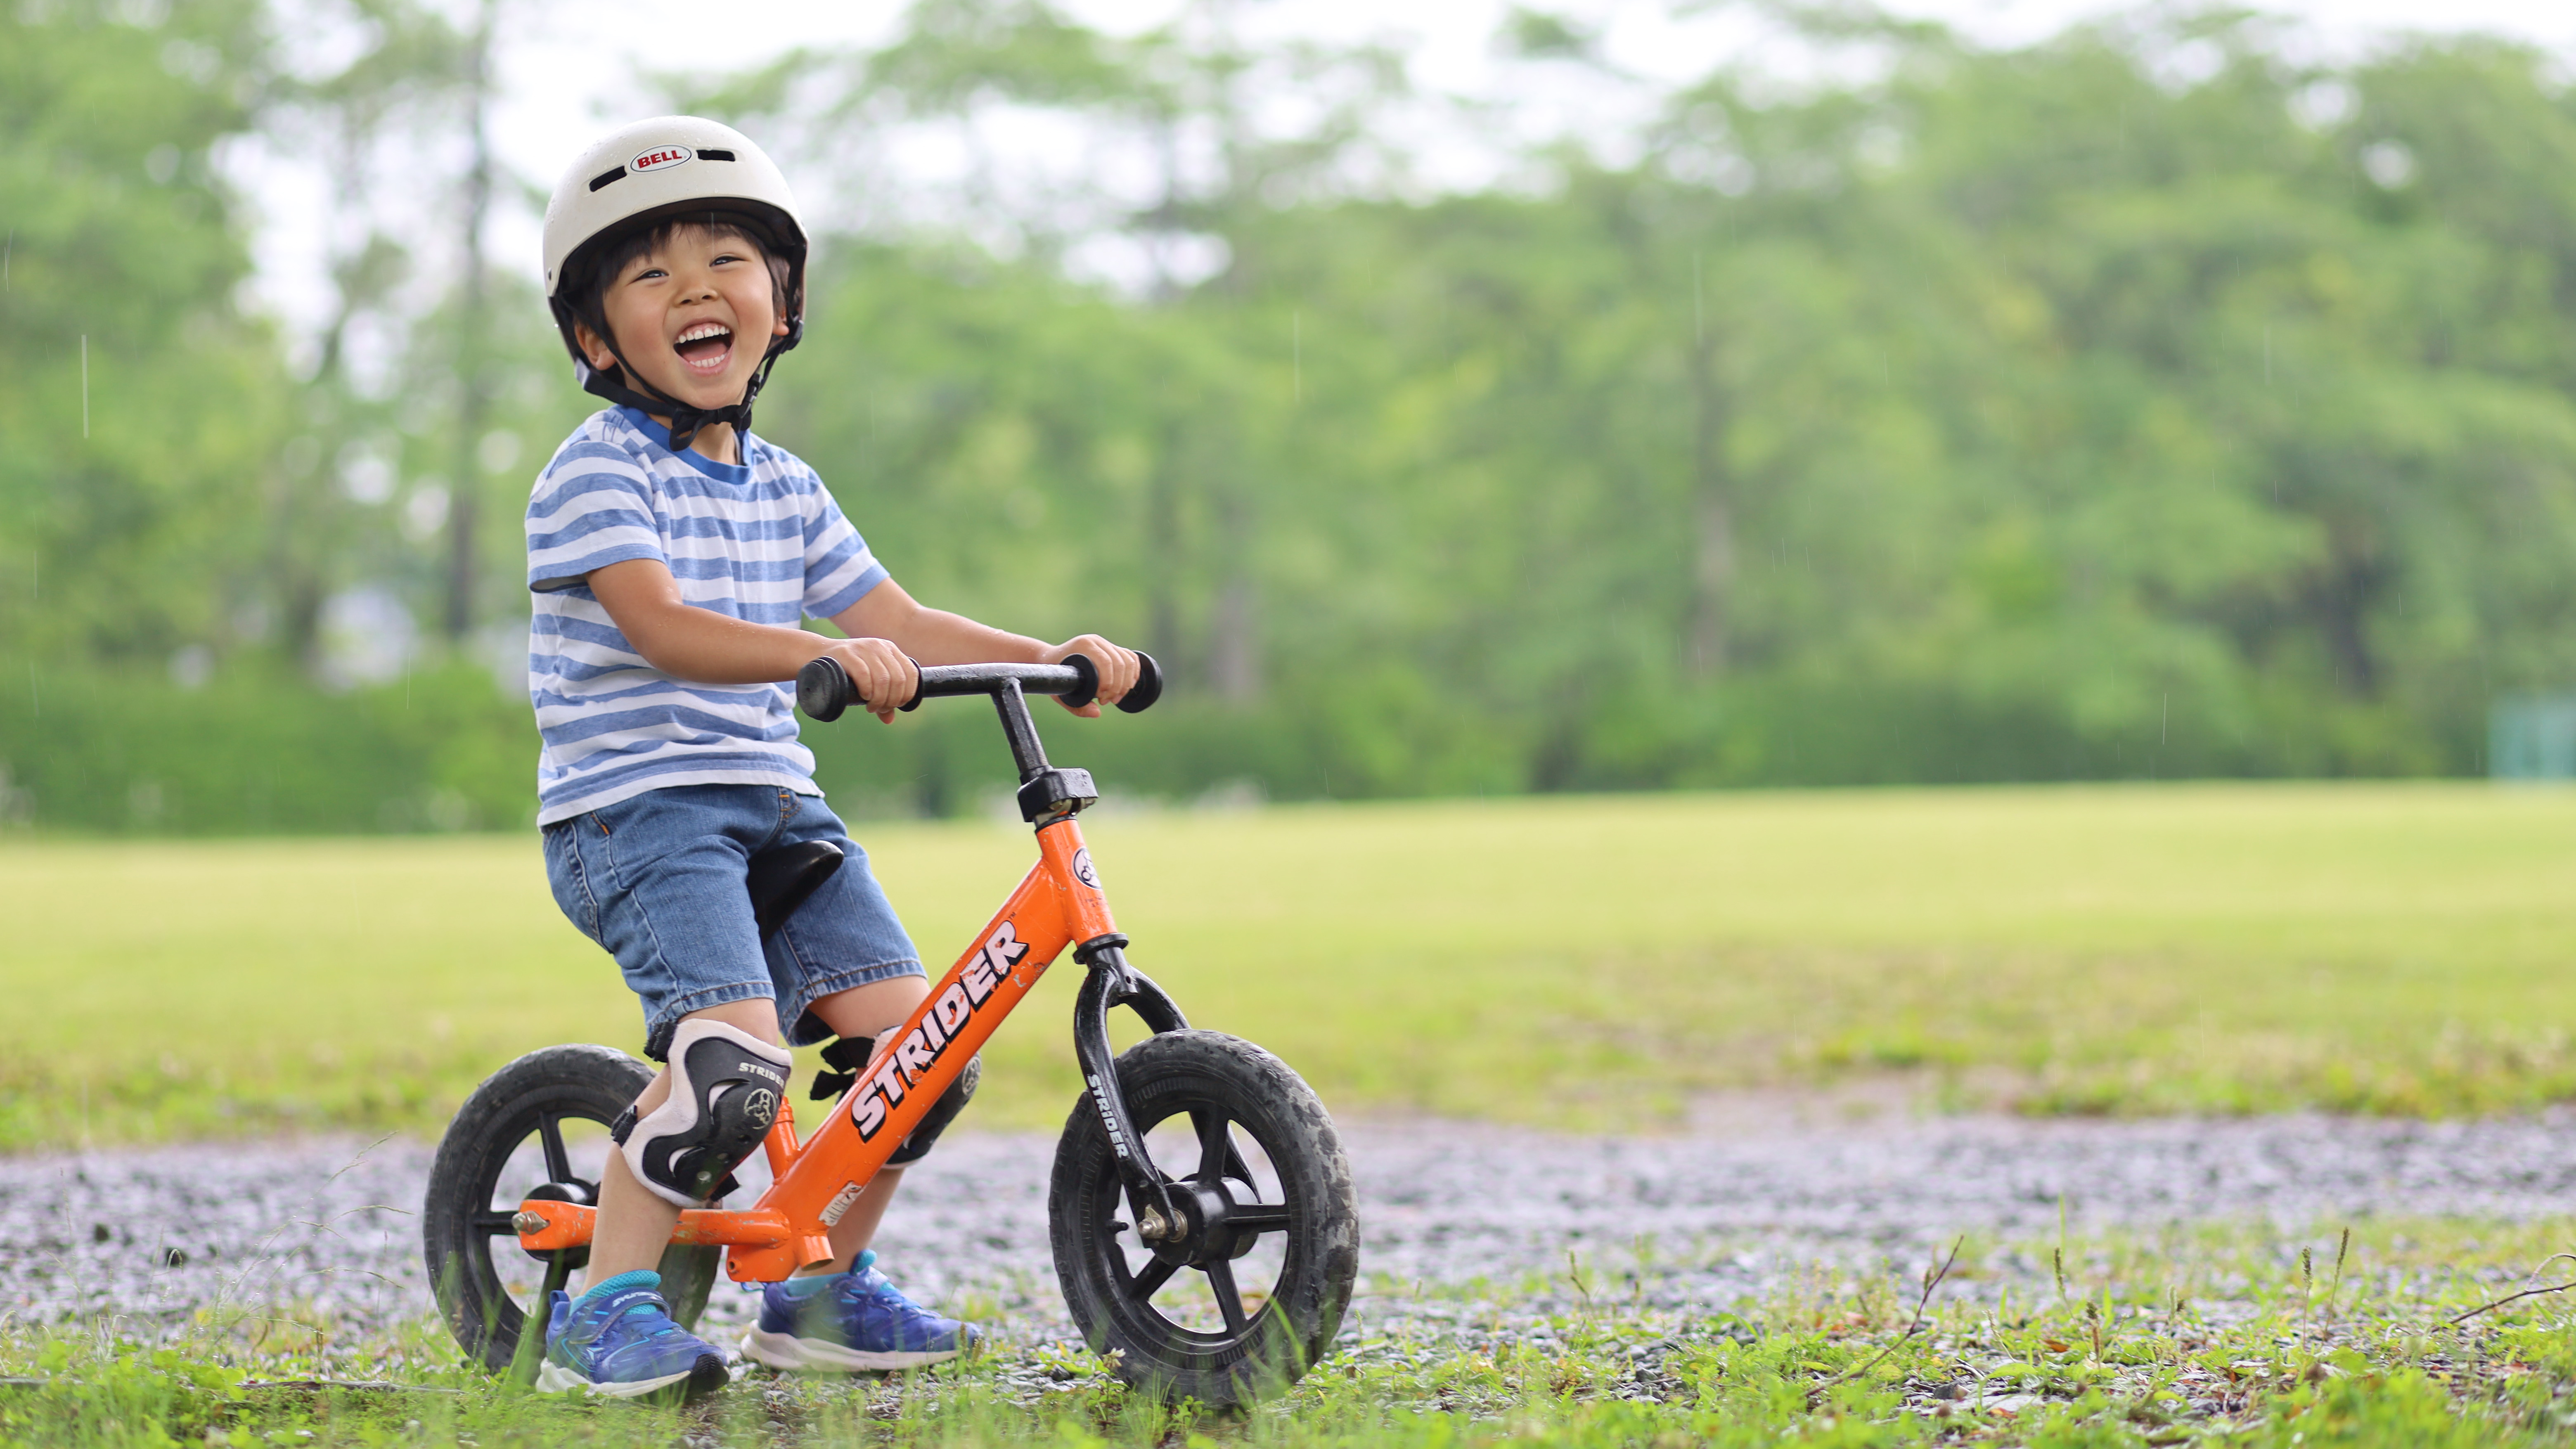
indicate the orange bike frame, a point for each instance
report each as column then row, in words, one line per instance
column 1059, row 903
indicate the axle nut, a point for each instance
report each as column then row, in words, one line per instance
column 527, row 1224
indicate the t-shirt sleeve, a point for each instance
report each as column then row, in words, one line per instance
column 592, row 507
column 839, row 570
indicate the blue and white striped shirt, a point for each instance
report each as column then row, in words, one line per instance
column 761, row 541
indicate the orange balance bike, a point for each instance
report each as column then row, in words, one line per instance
column 1200, row 1209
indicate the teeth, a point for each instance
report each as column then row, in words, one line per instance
column 703, row 329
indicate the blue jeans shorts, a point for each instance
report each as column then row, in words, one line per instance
column 659, row 880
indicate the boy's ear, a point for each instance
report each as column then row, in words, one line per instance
column 592, row 347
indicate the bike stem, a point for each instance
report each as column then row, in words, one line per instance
column 1020, row 730
column 1047, row 795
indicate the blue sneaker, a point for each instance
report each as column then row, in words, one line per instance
column 852, row 1322
column 618, row 1341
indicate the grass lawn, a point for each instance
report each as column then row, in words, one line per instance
column 2241, row 1336
column 1582, row 962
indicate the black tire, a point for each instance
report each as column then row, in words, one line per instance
column 475, row 1186
column 1156, row 1339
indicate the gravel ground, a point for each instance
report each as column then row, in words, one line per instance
column 326, row 1230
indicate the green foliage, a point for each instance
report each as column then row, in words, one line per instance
column 137, row 403
column 2063, row 413
column 2022, row 417
column 259, row 749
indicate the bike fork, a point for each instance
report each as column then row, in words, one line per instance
column 1112, row 982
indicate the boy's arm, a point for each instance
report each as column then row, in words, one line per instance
column 936, row 636
column 687, row 642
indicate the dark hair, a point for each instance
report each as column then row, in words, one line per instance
column 592, row 270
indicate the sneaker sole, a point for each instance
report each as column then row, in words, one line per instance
column 705, row 1376
column 786, row 1351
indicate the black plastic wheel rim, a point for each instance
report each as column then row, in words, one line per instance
column 508, row 1170
column 1208, row 1299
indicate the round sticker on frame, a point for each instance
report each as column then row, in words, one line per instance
column 1082, row 870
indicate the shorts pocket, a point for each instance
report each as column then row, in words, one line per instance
column 568, row 879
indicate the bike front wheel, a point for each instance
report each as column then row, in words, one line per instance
column 1249, row 1295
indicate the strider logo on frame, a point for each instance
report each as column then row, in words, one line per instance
column 1082, row 870
column 925, row 1044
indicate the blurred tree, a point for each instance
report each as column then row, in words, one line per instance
column 2111, row 406
column 340, row 473
column 474, row 360
column 137, row 402
column 1183, row 106
column 2158, row 400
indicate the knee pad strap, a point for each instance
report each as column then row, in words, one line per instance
column 849, row 1054
column 941, row 1113
column 726, row 1085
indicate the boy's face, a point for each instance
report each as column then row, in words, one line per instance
column 694, row 316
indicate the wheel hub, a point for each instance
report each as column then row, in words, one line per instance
column 1203, row 1234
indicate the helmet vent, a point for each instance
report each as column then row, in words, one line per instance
column 715, row 155
column 605, row 177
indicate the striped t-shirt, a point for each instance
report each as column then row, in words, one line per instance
column 761, row 541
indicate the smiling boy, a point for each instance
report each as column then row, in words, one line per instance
column 672, row 557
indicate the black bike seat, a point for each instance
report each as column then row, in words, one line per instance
column 784, row 875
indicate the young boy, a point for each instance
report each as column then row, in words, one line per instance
column 672, row 556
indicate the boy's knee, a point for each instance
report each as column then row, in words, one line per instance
column 754, row 1016
column 719, row 1097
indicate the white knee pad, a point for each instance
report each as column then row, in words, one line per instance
column 726, row 1085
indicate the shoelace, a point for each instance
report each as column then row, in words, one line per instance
column 648, row 1307
column 652, row 1334
column 884, row 1291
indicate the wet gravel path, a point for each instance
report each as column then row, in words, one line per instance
column 325, row 1231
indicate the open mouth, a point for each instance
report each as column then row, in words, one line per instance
column 705, row 347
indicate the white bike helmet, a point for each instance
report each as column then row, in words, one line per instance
column 644, row 175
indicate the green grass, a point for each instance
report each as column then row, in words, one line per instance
column 1584, row 962
column 2209, row 1336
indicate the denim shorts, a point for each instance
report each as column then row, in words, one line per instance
column 659, row 880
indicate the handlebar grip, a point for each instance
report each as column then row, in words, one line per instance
column 823, row 688
column 1149, row 685
column 1088, row 675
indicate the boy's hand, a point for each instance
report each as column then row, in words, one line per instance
column 884, row 675
column 1118, row 669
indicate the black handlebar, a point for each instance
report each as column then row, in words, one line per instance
column 823, row 688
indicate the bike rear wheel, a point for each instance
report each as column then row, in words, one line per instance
column 536, row 1128
column 1252, row 1294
